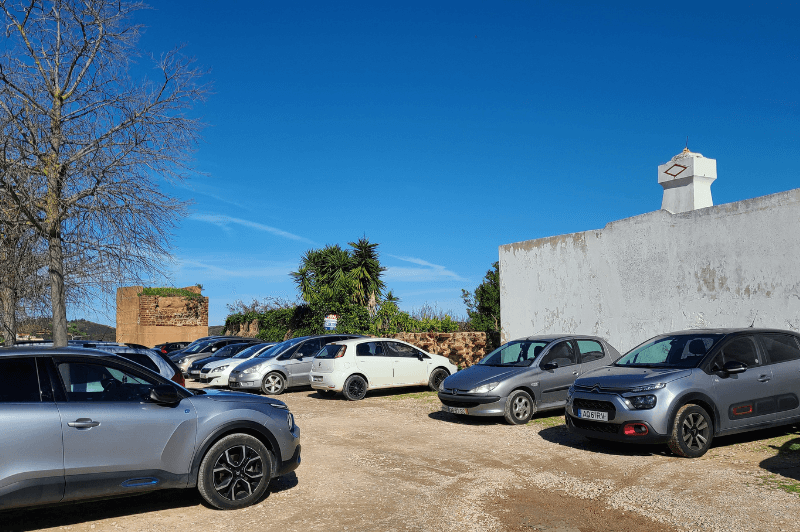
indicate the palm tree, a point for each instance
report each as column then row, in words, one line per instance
column 366, row 272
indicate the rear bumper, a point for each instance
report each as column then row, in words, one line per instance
column 613, row 431
column 325, row 381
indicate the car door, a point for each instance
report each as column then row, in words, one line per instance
column 115, row 439
column 408, row 366
column 783, row 355
column 299, row 365
column 372, row 361
column 554, row 383
column 743, row 398
column 32, row 463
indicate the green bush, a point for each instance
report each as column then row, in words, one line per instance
column 169, row 292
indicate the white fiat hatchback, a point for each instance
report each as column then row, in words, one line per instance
column 355, row 366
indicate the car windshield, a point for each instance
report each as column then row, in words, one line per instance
column 196, row 348
column 676, row 351
column 517, row 353
column 247, row 352
column 278, row 348
column 226, row 352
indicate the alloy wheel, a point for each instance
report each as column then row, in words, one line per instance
column 694, row 431
column 237, row 472
column 273, row 383
column 521, row 408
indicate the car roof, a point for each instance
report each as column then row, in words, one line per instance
column 52, row 351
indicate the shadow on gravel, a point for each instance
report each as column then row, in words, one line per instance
column 754, row 436
column 786, row 463
column 385, row 392
column 560, row 436
column 70, row 514
column 439, row 415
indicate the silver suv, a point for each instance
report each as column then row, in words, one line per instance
column 684, row 388
column 283, row 365
column 81, row 424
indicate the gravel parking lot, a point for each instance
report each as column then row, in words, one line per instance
column 394, row 462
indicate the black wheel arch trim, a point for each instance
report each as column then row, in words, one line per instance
column 692, row 397
column 230, row 428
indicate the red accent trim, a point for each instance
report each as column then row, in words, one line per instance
column 635, row 429
column 742, row 410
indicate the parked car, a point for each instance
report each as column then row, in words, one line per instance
column 206, row 349
column 287, row 366
column 685, row 388
column 524, row 376
column 220, row 354
column 83, row 423
column 193, row 347
column 217, row 373
column 169, row 347
column 355, row 366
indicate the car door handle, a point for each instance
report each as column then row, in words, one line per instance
column 83, row 423
column 763, row 378
column 574, row 372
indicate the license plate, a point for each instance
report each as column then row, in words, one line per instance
column 317, row 379
column 593, row 415
column 454, row 410
column 233, row 384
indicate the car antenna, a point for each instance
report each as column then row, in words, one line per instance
column 754, row 320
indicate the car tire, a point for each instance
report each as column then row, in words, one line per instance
column 273, row 383
column 692, row 432
column 437, row 378
column 355, row 388
column 519, row 407
column 235, row 472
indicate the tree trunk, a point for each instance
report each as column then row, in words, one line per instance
column 59, row 300
column 9, row 301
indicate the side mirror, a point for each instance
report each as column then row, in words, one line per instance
column 732, row 367
column 213, row 349
column 164, row 394
column 549, row 366
column 419, row 356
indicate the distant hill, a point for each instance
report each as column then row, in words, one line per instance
column 79, row 329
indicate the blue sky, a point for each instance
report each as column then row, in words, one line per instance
column 441, row 130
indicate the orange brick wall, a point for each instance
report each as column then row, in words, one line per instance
column 151, row 320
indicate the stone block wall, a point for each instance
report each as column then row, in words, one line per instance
column 151, row 320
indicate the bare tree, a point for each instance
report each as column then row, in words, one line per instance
column 85, row 146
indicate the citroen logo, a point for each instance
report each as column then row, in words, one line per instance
column 596, row 388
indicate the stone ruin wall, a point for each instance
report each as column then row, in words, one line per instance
column 151, row 320
column 462, row 348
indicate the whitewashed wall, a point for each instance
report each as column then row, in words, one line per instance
column 722, row 266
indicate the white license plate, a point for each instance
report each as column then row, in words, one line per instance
column 454, row 410
column 593, row 415
column 317, row 379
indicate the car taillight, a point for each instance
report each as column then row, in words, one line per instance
column 178, row 378
column 164, row 349
column 340, row 352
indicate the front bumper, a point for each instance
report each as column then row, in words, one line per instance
column 619, row 415
column 475, row 405
column 214, row 380
column 289, row 465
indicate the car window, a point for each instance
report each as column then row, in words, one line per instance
column 396, row 349
column 250, row 351
column 142, row 360
column 562, row 354
column 740, row 350
column 19, row 382
column 590, row 350
column 781, row 347
column 99, row 382
column 678, row 351
column 309, row 348
column 514, row 353
column 369, row 349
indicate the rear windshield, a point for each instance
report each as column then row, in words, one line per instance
column 329, row 351
column 677, row 351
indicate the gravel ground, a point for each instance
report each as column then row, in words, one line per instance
column 394, row 462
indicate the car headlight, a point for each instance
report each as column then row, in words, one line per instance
column 182, row 361
column 484, row 388
column 648, row 387
column 254, row 369
column 641, row 402
column 217, row 370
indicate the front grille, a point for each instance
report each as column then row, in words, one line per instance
column 235, row 372
column 205, row 370
column 589, row 404
column 459, row 404
column 596, row 426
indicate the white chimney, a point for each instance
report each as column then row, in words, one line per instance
column 687, row 179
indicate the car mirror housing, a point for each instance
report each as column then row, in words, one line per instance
column 549, row 366
column 732, row 367
column 164, row 394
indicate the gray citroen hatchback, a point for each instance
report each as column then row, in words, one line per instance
column 523, row 376
column 79, row 424
column 687, row 387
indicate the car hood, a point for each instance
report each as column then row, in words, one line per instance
column 240, row 397
column 255, row 361
column 476, row 375
column 623, row 377
column 223, row 362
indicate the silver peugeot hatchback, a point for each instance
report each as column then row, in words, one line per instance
column 687, row 387
column 524, row 376
column 79, row 424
